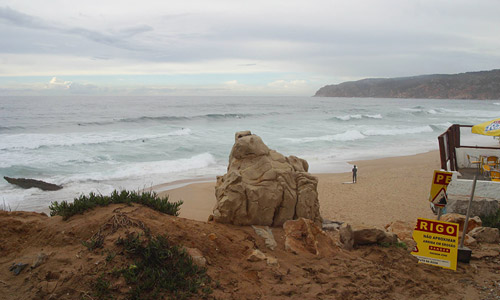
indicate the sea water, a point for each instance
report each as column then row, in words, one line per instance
column 90, row 143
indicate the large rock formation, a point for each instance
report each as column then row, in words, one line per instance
column 263, row 187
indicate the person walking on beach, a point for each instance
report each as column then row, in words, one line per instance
column 354, row 174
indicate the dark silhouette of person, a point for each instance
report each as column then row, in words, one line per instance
column 354, row 174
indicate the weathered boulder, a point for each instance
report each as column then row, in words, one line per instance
column 329, row 225
column 481, row 206
column 27, row 183
column 367, row 235
column 256, row 256
column 267, row 234
column 263, row 187
column 469, row 241
column 404, row 230
column 346, row 236
column 460, row 220
column 196, row 256
column 305, row 236
column 354, row 235
column 485, row 234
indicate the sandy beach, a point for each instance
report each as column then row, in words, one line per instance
column 387, row 190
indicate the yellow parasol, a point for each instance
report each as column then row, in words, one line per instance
column 491, row 128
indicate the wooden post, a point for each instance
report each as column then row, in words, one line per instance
column 442, row 152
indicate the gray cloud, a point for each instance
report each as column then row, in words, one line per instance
column 23, row 20
column 117, row 40
column 324, row 38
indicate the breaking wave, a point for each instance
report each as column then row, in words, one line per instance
column 139, row 169
column 35, row 140
column 398, row 131
column 179, row 118
column 357, row 116
column 349, row 135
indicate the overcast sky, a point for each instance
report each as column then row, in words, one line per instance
column 215, row 47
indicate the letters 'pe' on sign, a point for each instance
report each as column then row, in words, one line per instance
column 440, row 182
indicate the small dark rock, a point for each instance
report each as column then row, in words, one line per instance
column 27, row 183
column 17, row 268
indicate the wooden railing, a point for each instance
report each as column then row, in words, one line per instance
column 448, row 142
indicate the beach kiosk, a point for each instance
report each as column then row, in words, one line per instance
column 475, row 165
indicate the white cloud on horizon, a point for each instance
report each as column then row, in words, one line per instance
column 287, row 84
column 59, row 83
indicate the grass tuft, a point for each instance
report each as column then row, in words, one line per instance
column 5, row 207
column 101, row 288
column 396, row 245
column 84, row 203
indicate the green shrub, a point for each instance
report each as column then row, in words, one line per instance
column 84, row 203
column 396, row 245
column 101, row 288
column 160, row 268
column 94, row 243
column 492, row 220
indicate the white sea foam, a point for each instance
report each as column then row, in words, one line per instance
column 496, row 103
column 445, row 124
column 350, row 135
column 358, row 116
column 397, row 131
column 137, row 170
column 348, row 117
column 36, row 140
column 411, row 109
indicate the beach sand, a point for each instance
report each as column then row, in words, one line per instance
column 387, row 190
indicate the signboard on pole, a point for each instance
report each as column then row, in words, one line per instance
column 440, row 182
column 437, row 243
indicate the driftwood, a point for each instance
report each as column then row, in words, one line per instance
column 27, row 183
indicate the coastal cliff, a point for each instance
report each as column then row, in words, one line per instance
column 470, row 85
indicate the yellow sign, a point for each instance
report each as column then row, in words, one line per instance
column 440, row 182
column 437, row 243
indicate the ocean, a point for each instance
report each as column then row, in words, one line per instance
column 90, row 143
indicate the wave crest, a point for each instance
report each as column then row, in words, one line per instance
column 357, row 116
column 35, row 141
column 350, row 135
column 398, row 131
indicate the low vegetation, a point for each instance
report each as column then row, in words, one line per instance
column 152, row 268
column 84, row 203
column 396, row 245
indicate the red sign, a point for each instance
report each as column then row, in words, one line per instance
column 437, row 227
column 442, row 178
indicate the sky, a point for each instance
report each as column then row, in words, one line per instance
column 235, row 47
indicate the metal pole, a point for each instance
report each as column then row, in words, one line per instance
column 440, row 213
column 468, row 212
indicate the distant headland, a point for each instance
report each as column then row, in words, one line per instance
column 471, row 85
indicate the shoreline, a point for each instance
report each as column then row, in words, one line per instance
column 388, row 189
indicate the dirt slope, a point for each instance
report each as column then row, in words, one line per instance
column 70, row 270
